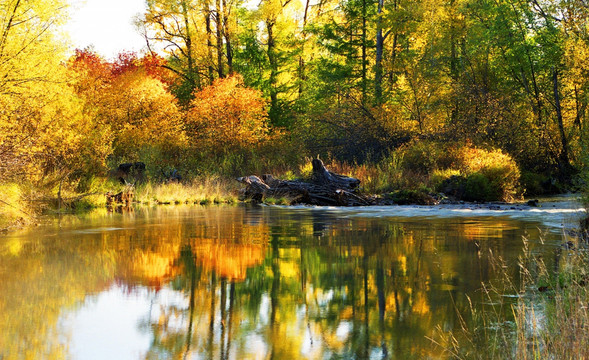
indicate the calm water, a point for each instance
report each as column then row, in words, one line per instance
column 254, row 282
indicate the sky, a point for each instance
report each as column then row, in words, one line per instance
column 106, row 25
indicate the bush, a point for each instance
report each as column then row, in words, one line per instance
column 498, row 168
column 411, row 197
column 454, row 186
column 439, row 179
column 478, row 188
column 228, row 115
column 421, row 157
column 534, row 183
column 476, row 174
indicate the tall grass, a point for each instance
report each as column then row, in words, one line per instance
column 381, row 177
column 548, row 320
column 202, row 190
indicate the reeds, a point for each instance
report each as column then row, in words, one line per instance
column 549, row 318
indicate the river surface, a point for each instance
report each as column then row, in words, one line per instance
column 259, row 282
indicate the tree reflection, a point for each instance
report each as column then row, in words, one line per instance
column 259, row 283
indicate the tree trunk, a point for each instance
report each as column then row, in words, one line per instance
column 227, row 35
column 564, row 155
column 211, row 68
column 301, row 56
column 364, row 60
column 193, row 76
column 379, row 54
column 272, row 59
column 219, row 26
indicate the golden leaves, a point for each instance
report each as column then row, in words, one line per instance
column 228, row 115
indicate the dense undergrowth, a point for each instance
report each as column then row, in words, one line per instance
column 460, row 172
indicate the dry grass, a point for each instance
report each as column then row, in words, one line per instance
column 385, row 176
column 204, row 190
column 549, row 319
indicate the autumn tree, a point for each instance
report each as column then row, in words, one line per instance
column 42, row 132
column 129, row 98
column 197, row 38
column 228, row 116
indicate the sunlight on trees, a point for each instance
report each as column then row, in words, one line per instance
column 227, row 115
column 350, row 80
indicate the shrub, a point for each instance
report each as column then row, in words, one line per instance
column 439, row 178
column 500, row 170
column 533, row 183
column 454, row 186
column 421, row 157
column 228, row 115
column 412, row 197
column 478, row 188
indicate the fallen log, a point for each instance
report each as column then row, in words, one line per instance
column 324, row 188
column 123, row 198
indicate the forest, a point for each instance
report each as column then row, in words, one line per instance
column 404, row 95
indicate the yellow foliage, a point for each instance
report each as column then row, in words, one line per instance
column 501, row 170
column 42, row 129
column 147, row 116
column 136, row 107
column 228, row 115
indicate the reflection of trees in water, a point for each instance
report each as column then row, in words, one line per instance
column 260, row 283
column 362, row 288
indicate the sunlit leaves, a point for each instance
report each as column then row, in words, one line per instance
column 41, row 127
column 130, row 100
column 228, row 115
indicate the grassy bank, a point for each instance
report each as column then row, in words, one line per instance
column 20, row 204
column 199, row 191
column 418, row 170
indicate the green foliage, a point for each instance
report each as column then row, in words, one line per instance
column 421, row 157
column 478, row 188
column 454, row 186
column 439, row 176
column 256, row 89
column 534, row 184
column 411, row 197
column 500, row 170
column 464, row 172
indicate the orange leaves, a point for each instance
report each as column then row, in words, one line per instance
column 129, row 98
column 228, row 115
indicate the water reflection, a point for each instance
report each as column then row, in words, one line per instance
column 245, row 283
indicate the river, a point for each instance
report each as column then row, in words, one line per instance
column 261, row 282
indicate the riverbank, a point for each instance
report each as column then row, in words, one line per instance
column 20, row 206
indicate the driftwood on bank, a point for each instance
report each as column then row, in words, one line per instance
column 123, row 198
column 324, row 188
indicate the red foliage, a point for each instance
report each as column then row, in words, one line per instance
column 126, row 62
column 86, row 59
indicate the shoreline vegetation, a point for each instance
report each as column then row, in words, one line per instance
column 479, row 100
column 475, row 176
column 457, row 175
